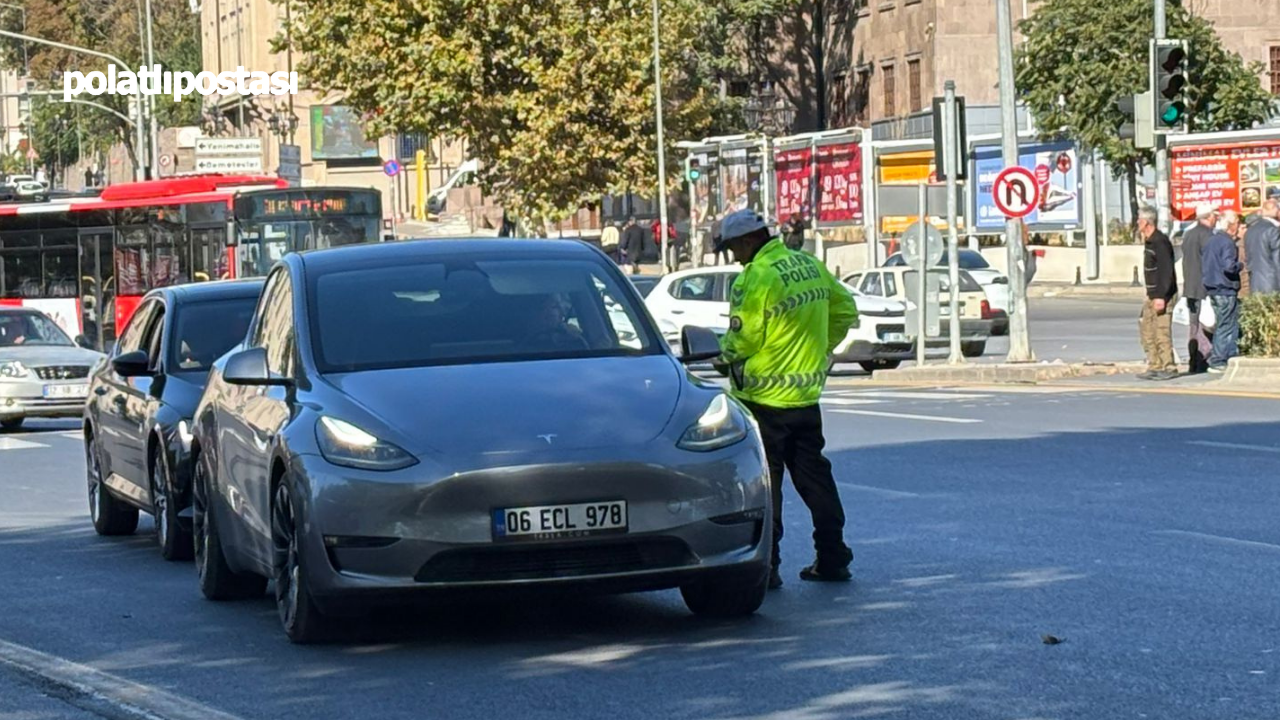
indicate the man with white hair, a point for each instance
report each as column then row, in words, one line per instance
column 1155, row 323
column 1193, row 242
column 1262, row 248
column 1221, row 266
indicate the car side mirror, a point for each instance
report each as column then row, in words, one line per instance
column 698, row 344
column 132, row 364
column 84, row 342
column 249, row 367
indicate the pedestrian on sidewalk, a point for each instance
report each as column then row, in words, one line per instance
column 632, row 244
column 1262, row 247
column 1155, row 323
column 1193, row 242
column 1221, row 266
column 786, row 315
column 1242, row 230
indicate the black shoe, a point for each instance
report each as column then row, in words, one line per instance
column 1165, row 375
column 775, row 579
column 1148, row 375
column 817, row 573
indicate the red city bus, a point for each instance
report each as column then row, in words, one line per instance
column 87, row 261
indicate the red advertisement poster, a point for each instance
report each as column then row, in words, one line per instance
column 840, row 183
column 792, row 174
column 1232, row 177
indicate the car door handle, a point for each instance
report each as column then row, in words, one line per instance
column 677, row 312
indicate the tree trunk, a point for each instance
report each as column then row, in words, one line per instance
column 1131, row 172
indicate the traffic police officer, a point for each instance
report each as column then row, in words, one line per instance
column 787, row 314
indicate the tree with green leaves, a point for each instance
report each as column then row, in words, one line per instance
column 1090, row 54
column 63, row 131
column 554, row 98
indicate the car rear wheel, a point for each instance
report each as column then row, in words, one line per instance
column 174, row 541
column 301, row 619
column 217, row 580
column 725, row 595
column 973, row 349
column 873, row 365
column 11, row 423
column 110, row 516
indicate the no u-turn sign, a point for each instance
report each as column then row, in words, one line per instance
column 1016, row 192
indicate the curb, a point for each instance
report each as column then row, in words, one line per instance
column 1262, row 372
column 1086, row 291
column 1004, row 373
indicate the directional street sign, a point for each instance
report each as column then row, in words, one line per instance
column 1016, row 192
column 391, row 168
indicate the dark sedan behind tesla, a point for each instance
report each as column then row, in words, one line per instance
column 445, row 414
column 137, row 419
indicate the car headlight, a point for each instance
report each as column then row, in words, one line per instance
column 723, row 423
column 342, row 443
column 13, row 370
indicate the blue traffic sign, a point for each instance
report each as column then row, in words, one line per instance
column 391, row 168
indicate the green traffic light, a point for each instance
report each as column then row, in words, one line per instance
column 1172, row 113
column 694, row 174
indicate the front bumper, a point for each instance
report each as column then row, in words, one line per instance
column 25, row 399
column 386, row 536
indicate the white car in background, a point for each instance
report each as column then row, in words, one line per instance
column 994, row 283
column 700, row 296
column 899, row 283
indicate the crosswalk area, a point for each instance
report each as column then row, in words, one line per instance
column 37, row 438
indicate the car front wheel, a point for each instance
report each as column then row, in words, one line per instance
column 873, row 365
column 973, row 349
column 728, row 595
column 11, row 423
column 301, row 619
column 217, row 580
column 175, row 542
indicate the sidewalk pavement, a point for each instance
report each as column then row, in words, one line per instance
column 1094, row 290
column 1245, row 376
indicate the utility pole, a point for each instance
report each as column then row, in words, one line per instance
column 1019, row 339
column 1162, row 151
column 151, row 100
column 662, row 154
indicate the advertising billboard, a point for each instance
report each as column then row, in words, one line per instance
column 336, row 134
column 840, row 184
column 1056, row 166
column 1234, row 176
column 793, row 173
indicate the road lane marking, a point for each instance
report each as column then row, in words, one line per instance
column 97, row 691
column 908, row 416
column 1221, row 539
column 8, row 443
column 883, row 492
column 849, row 401
column 916, row 395
column 1234, row 446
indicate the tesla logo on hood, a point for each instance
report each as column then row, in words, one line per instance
column 548, row 437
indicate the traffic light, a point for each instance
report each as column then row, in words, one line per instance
column 695, row 169
column 1137, row 125
column 1169, row 86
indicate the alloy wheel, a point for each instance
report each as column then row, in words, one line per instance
column 160, row 502
column 199, row 527
column 284, row 541
column 95, row 483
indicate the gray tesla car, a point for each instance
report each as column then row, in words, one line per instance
column 412, row 417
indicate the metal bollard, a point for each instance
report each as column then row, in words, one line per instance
column 1136, row 282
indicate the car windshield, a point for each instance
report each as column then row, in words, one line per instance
column 469, row 311
column 205, row 331
column 29, row 328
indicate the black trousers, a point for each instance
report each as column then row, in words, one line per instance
column 793, row 441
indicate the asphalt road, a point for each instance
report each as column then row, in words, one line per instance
column 1140, row 529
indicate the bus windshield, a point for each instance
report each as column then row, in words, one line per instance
column 273, row 223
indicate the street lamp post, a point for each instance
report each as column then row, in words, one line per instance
column 662, row 153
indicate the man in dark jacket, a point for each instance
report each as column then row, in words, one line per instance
column 1193, row 242
column 1262, row 247
column 1220, row 263
column 632, row 244
column 1155, row 323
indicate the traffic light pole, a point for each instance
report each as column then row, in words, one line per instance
column 1163, row 210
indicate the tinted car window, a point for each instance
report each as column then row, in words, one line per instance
column 205, row 331
column 449, row 312
column 28, row 328
column 969, row 260
column 695, row 287
column 644, row 285
column 137, row 328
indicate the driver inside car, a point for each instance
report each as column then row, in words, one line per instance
column 550, row 330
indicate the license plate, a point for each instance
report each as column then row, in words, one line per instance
column 66, row 391
column 546, row 522
column 895, row 337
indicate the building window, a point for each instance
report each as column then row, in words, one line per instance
column 840, row 104
column 1275, row 69
column 913, row 84
column 861, row 97
column 890, row 91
